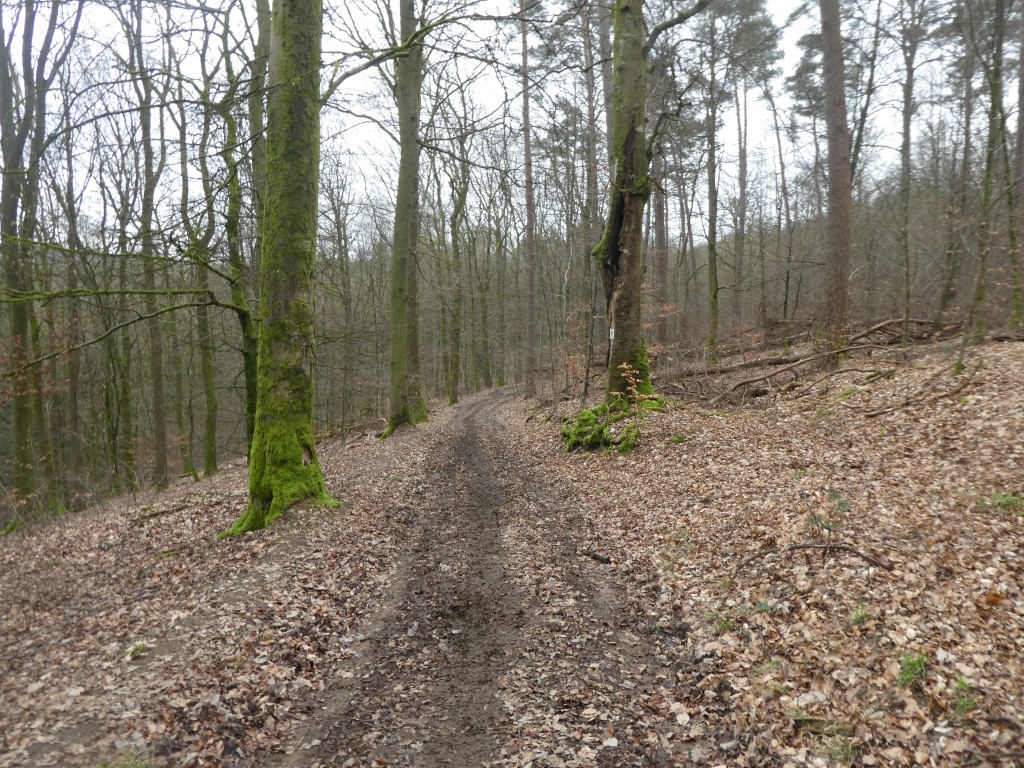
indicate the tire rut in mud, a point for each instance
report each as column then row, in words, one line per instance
column 426, row 692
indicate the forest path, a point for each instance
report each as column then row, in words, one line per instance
column 470, row 613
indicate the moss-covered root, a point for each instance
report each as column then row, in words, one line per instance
column 277, row 483
column 591, row 429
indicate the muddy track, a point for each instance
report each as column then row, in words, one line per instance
column 444, row 664
column 425, row 690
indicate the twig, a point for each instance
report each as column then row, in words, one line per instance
column 170, row 510
column 827, row 547
column 595, row 556
column 913, row 398
column 886, row 324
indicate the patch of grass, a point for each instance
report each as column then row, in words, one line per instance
column 1004, row 503
column 778, row 690
column 767, row 668
column 822, row 523
column 798, row 474
column 964, row 701
column 724, row 625
column 823, row 414
column 133, row 760
column 679, row 439
column 836, row 498
column 860, row 616
column 913, row 667
column 841, row 749
column 846, row 394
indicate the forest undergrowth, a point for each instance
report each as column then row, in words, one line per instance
column 793, row 567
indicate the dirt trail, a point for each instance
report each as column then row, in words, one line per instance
column 469, row 622
column 425, row 692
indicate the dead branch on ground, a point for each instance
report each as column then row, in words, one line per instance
column 920, row 395
column 829, row 547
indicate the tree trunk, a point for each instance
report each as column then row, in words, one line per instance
column 620, row 252
column 403, row 405
column 840, row 181
column 239, row 272
column 530, row 340
column 283, row 468
column 975, row 331
column 661, row 298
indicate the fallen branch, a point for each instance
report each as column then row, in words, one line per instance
column 168, row 511
column 595, row 556
column 827, row 547
column 760, row 362
column 801, row 361
column 919, row 395
column 822, row 726
column 887, row 323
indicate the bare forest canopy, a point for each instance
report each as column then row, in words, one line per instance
column 134, row 196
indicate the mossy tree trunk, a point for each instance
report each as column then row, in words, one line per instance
column 405, row 401
column 620, row 251
column 283, row 468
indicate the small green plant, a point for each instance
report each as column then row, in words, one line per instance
column 823, row 414
column 841, row 749
column 724, row 625
column 842, row 505
column 964, row 701
column 1005, row 503
column 798, row 474
column 913, row 667
column 860, row 616
column 822, row 524
column 139, row 649
column 963, row 401
column 767, row 668
column 679, row 439
column 778, row 690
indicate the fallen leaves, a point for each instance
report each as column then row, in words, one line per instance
column 745, row 616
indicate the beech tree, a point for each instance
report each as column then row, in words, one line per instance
column 406, row 403
column 840, row 181
column 21, row 141
column 283, row 467
column 620, row 252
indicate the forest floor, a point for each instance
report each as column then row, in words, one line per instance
column 823, row 570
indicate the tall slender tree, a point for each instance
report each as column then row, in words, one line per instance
column 405, row 401
column 840, row 181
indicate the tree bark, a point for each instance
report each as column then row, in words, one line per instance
column 283, row 468
column 403, row 395
column 530, row 340
column 840, row 181
column 620, row 251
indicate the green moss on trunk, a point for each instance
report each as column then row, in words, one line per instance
column 283, row 468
